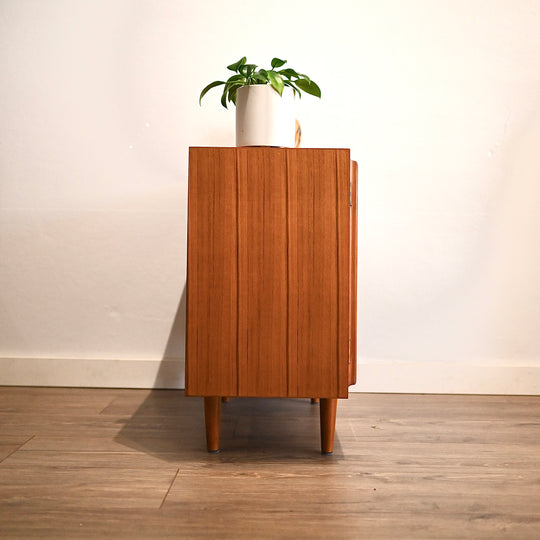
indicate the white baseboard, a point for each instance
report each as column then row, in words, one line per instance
column 481, row 377
column 79, row 372
column 373, row 375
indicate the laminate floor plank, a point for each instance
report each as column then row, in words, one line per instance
column 192, row 523
column 7, row 449
column 84, row 463
column 43, row 400
column 84, row 479
column 151, row 403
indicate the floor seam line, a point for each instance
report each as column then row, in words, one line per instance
column 108, row 405
column 17, row 449
column 169, row 490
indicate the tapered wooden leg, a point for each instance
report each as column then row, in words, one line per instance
column 328, row 408
column 212, row 410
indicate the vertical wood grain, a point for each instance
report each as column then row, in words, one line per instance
column 318, row 195
column 353, row 258
column 327, row 413
column 292, row 277
column 270, row 251
column 262, row 271
column 212, row 417
column 343, row 226
column 212, row 316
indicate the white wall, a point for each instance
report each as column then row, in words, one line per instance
column 439, row 101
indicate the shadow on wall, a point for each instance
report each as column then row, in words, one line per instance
column 171, row 369
column 171, row 372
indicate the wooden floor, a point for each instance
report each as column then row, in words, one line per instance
column 89, row 463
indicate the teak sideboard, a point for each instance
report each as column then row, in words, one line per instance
column 271, row 279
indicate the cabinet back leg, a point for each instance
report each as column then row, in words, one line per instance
column 212, row 413
column 328, row 409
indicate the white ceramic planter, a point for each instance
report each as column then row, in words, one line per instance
column 263, row 117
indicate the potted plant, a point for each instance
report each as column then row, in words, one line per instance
column 264, row 101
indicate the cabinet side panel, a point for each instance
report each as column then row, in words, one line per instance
column 262, row 269
column 353, row 257
column 212, row 295
column 343, row 185
column 318, row 194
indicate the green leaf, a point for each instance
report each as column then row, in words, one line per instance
column 248, row 69
column 309, row 86
column 224, row 97
column 288, row 73
column 277, row 62
column 260, row 78
column 236, row 65
column 236, row 78
column 276, row 82
column 229, row 92
column 209, row 87
column 233, row 88
column 292, row 85
column 232, row 93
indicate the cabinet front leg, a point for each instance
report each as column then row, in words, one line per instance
column 328, row 409
column 212, row 410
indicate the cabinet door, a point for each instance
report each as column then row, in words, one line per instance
column 262, row 271
column 319, row 214
column 212, row 285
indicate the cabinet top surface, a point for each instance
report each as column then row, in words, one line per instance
column 268, row 147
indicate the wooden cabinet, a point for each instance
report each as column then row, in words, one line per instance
column 271, row 288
